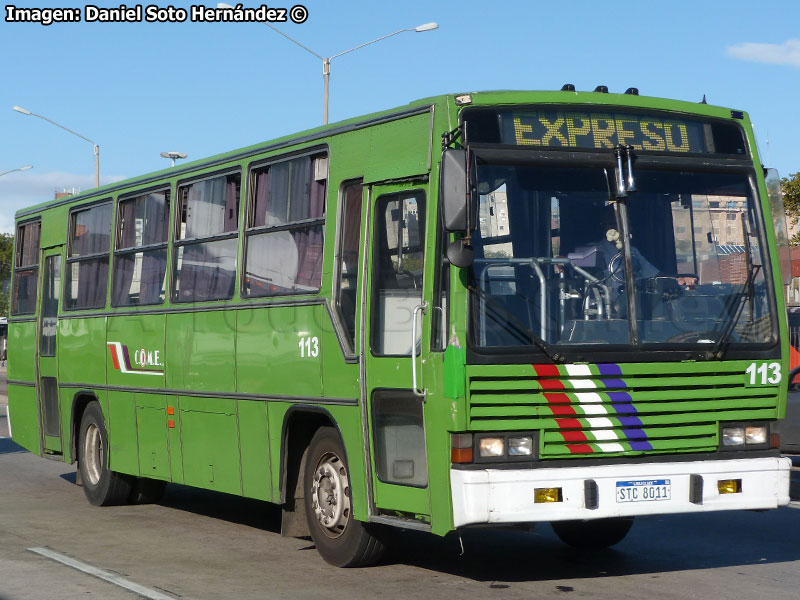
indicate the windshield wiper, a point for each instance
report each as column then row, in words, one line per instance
column 519, row 325
column 742, row 296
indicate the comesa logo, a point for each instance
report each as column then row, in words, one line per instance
column 141, row 358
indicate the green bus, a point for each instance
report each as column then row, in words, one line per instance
column 488, row 308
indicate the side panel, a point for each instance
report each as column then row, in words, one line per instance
column 201, row 351
column 82, row 346
column 22, row 351
column 269, row 357
column 254, row 440
column 210, row 443
column 122, row 442
column 24, row 415
column 151, row 427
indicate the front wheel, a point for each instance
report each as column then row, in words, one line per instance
column 340, row 539
column 101, row 486
column 593, row 535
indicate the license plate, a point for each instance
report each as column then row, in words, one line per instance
column 644, row 490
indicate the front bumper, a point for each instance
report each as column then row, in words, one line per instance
column 506, row 495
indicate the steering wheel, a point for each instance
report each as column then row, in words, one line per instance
column 616, row 268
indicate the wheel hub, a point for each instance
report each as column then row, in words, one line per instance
column 330, row 495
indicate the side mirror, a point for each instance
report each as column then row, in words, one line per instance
column 454, row 190
column 460, row 255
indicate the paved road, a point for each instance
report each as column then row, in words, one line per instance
column 204, row 545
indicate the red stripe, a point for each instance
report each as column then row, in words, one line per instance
column 574, row 436
column 569, row 423
column 114, row 357
column 580, row 448
column 558, row 409
column 557, row 398
column 546, row 370
column 551, row 384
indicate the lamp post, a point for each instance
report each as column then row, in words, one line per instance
column 326, row 62
column 25, row 111
column 173, row 156
column 25, row 168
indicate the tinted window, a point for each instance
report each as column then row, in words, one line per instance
column 26, row 269
column 87, row 264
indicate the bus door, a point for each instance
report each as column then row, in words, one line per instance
column 396, row 308
column 46, row 361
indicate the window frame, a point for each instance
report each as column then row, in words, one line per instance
column 350, row 350
column 253, row 170
column 118, row 251
column 380, row 205
column 32, row 267
column 178, row 243
column 70, row 260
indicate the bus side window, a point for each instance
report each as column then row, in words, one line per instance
column 87, row 263
column 26, row 270
column 285, row 228
column 206, row 245
column 398, row 265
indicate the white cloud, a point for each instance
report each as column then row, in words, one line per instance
column 787, row 53
column 20, row 190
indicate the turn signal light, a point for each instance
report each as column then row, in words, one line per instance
column 541, row 495
column 729, row 486
column 461, row 448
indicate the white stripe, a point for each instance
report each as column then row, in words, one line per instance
column 582, row 383
column 578, row 370
column 104, row 575
column 594, row 409
column 611, row 447
column 599, row 423
column 590, row 397
column 8, row 418
column 604, row 434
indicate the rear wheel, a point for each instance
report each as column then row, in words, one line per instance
column 593, row 535
column 101, row 486
column 340, row 539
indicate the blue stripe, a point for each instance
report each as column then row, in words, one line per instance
column 641, row 446
column 630, row 421
column 614, row 383
column 609, row 369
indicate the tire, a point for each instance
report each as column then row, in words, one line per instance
column 340, row 539
column 146, row 491
column 593, row 535
column 101, row 486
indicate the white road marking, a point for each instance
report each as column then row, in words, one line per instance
column 104, row 575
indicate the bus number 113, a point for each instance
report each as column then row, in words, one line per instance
column 766, row 373
column 309, row 347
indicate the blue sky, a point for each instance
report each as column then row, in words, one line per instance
column 138, row 89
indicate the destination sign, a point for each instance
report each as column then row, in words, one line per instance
column 603, row 130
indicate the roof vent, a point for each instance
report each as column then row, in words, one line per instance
column 568, row 87
column 603, row 89
column 632, row 91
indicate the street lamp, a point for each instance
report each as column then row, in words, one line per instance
column 173, row 156
column 24, row 111
column 326, row 62
column 25, row 168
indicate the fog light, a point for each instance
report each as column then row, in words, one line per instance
column 520, row 446
column 729, row 486
column 755, row 435
column 541, row 495
column 491, row 446
column 733, row 436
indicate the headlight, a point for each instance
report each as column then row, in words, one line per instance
column 733, row 436
column 491, row 446
column 755, row 434
column 520, row 446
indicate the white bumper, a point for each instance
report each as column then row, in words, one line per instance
column 506, row 496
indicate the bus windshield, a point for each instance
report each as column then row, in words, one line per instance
column 550, row 264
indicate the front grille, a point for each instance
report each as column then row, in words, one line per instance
column 617, row 409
